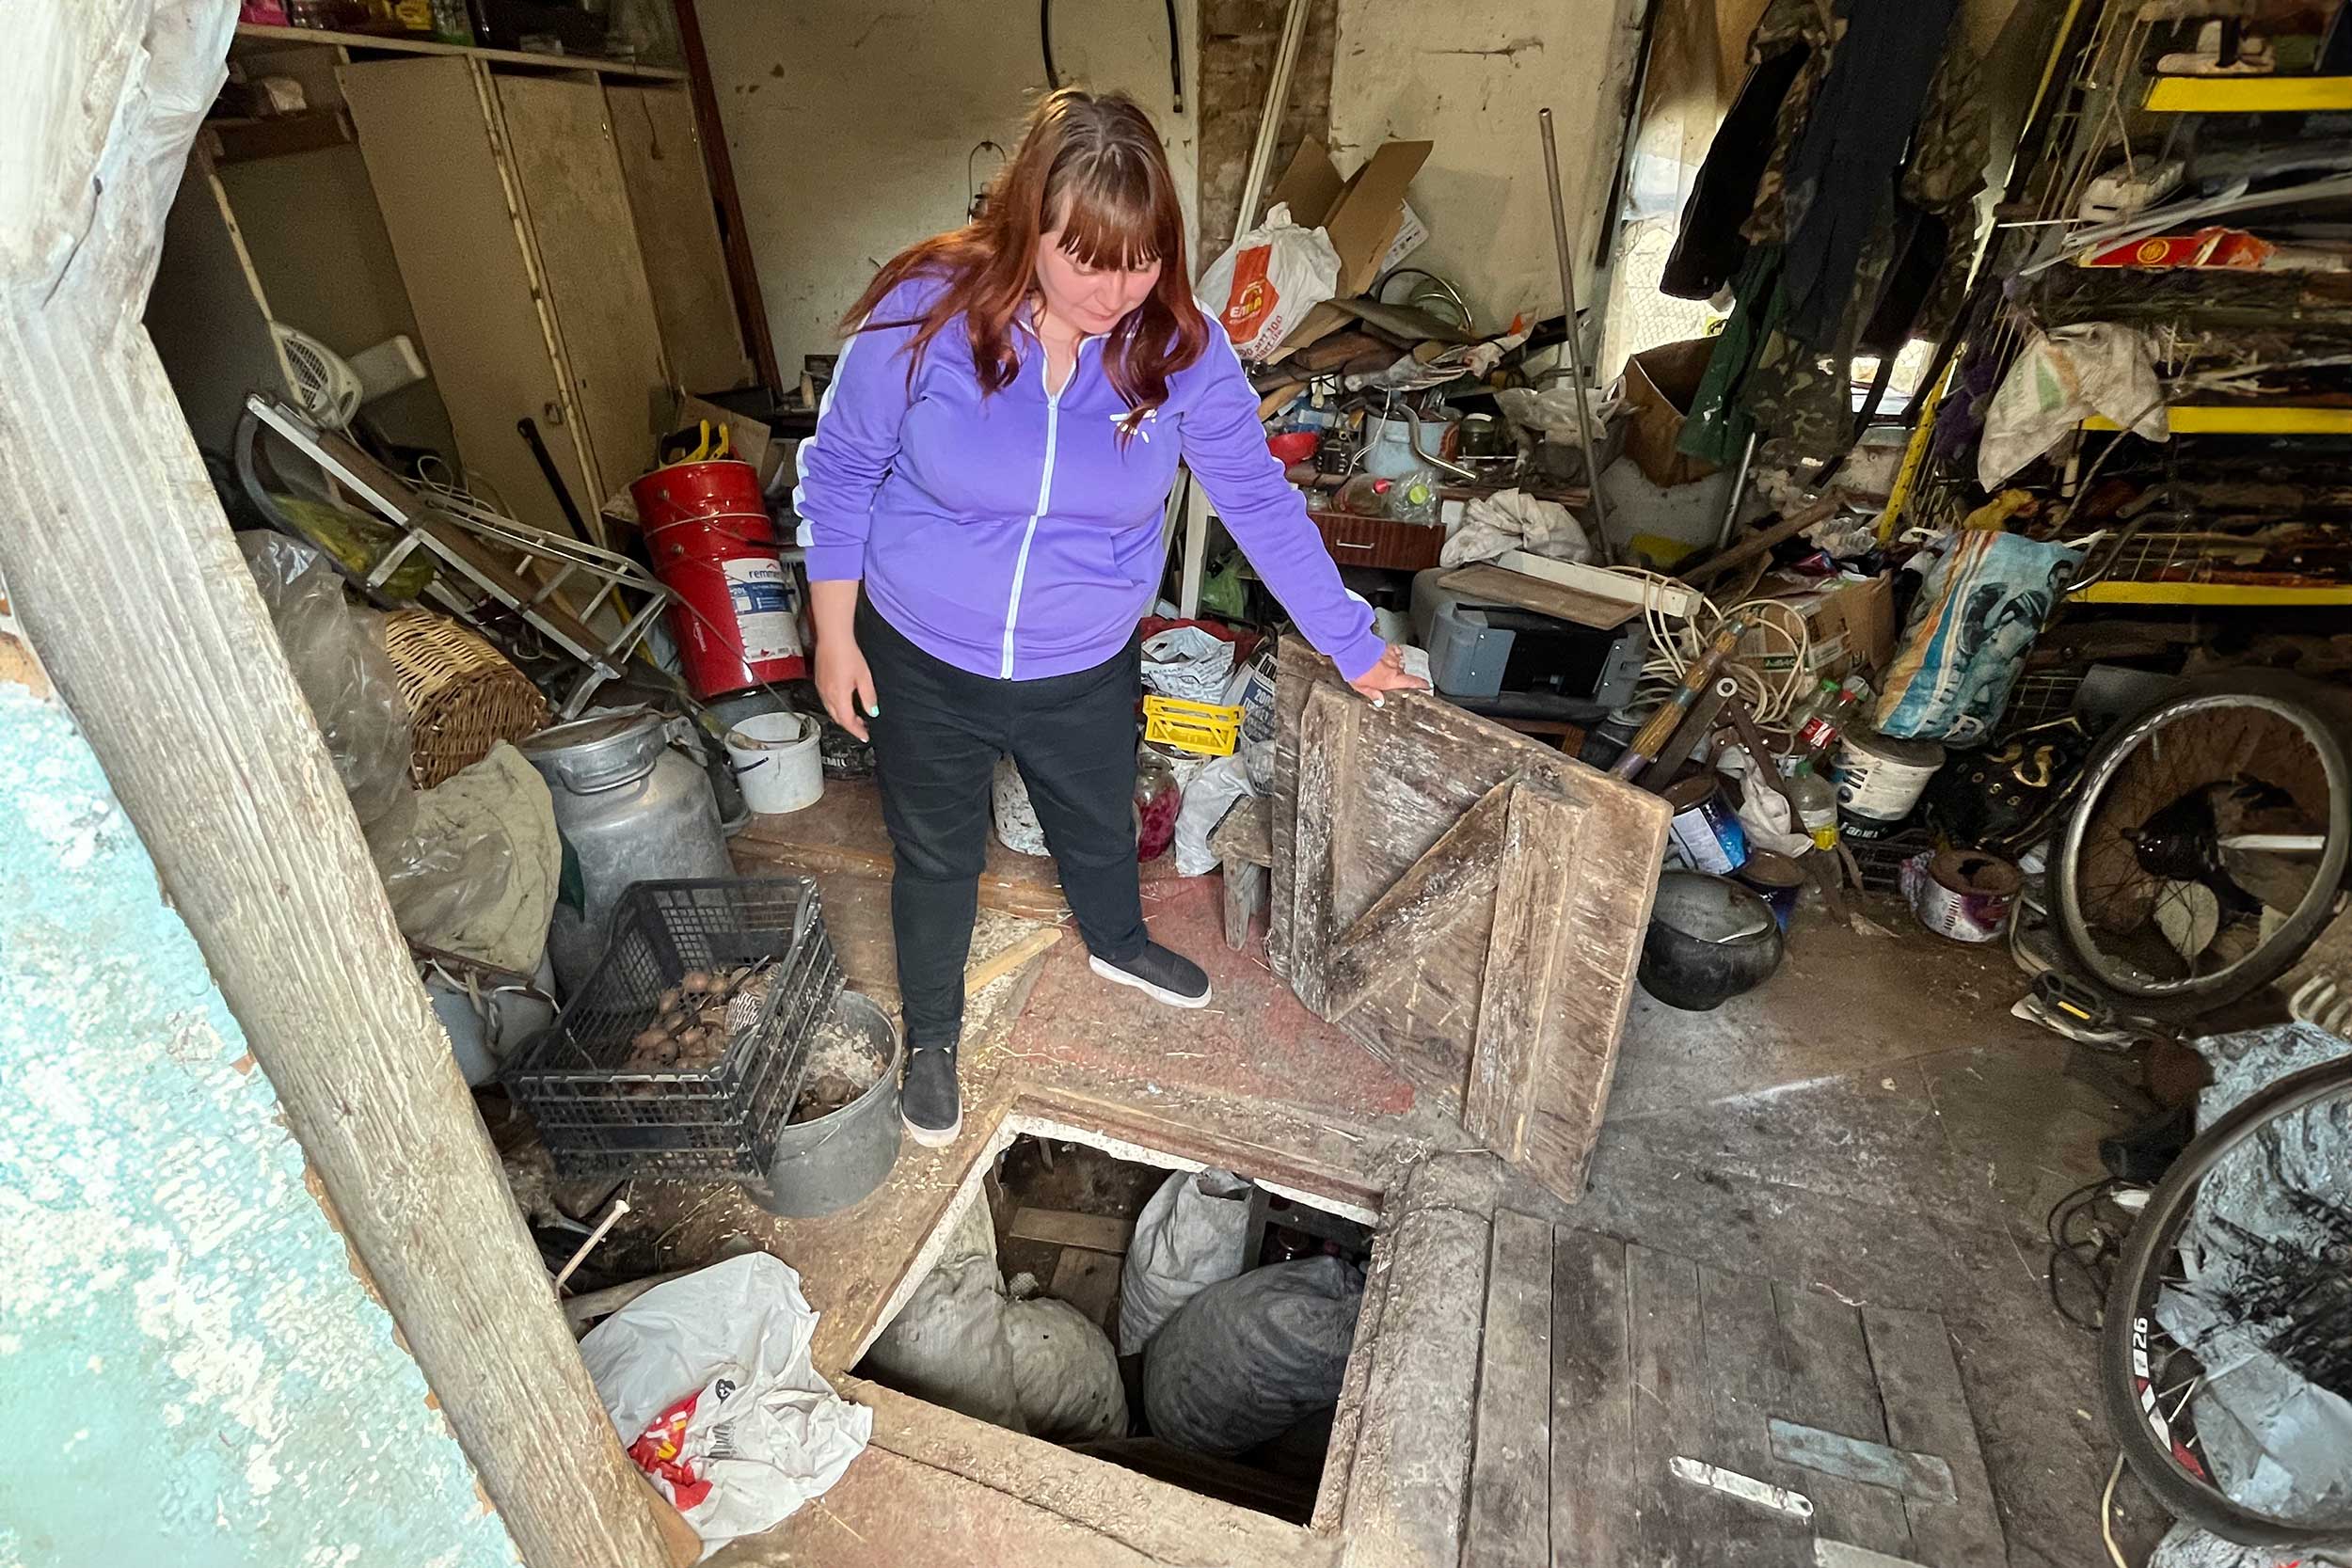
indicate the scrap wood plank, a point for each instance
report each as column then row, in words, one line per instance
column 1066, row 1228
column 1329, row 727
column 1424, row 905
column 1409, row 1482
column 1831, row 1387
column 1927, row 1412
column 1488, row 583
column 1538, row 865
column 1089, row 1282
column 1592, row 1486
column 1510, row 1500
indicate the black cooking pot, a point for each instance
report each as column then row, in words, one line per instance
column 1709, row 939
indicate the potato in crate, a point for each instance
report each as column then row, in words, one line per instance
column 681, row 1057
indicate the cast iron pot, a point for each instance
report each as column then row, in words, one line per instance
column 1709, row 939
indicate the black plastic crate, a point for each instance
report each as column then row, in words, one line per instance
column 599, row 1118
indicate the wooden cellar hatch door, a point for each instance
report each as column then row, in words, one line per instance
column 1467, row 902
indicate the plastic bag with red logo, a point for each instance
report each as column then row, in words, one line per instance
column 1263, row 287
column 708, row 1380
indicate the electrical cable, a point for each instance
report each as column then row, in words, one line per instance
column 1175, row 62
column 1045, row 41
column 1674, row 648
column 2107, row 1512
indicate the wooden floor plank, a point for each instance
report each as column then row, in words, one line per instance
column 1674, row 1414
column 1409, row 1486
column 1831, row 1387
column 1510, row 1501
column 1747, row 1364
column 1593, row 1503
column 1927, row 1412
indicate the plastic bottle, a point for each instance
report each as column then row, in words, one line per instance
column 1816, row 805
column 1817, row 737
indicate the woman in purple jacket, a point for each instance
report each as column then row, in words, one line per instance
column 991, row 464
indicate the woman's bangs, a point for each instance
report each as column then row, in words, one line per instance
column 1111, row 220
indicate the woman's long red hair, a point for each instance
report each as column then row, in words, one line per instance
column 1092, row 166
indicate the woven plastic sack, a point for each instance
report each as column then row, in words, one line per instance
column 1249, row 1358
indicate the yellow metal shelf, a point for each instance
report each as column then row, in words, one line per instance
column 2247, row 95
column 262, row 32
column 2235, row 595
column 2247, row 419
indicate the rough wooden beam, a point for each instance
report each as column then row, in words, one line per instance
column 123, row 572
column 1420, row 909
column 1540, row 868
column 1326, row 761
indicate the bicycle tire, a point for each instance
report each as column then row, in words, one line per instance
column 2324, row 726
column 2131, row 1419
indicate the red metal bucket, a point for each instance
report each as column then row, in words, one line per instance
column 737, row 618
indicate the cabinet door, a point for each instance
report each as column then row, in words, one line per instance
column 607, row 338
column 425, row 132
column 678, row 233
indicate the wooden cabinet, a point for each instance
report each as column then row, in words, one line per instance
column 545, row 233
column 504, row 197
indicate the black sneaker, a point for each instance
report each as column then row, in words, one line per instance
column 928, row 1100
column 1159, row 974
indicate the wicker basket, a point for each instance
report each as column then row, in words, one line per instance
column 463, row 695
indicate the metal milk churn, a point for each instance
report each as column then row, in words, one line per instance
column 630, row 810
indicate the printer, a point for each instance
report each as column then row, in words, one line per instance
column 1499, row 658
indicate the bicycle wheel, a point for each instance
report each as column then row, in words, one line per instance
column 2148, row 1380
column 2206, row 845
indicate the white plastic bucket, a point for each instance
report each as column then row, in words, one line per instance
column 776, row 761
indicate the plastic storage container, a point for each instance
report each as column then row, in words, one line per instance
column 599, row 1118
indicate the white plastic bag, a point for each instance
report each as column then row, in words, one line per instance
column 708, row 1380
column 1188, row 662
column 1207, row 798
column 1188, row 1236
column 1263, row 287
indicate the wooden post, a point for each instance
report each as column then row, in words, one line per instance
column 122, row 570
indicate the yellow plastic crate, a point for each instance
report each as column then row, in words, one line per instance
column 1203, row 729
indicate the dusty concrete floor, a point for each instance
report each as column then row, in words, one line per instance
column 1872, row 1122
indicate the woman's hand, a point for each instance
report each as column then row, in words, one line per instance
column 844, row 682
column 1386, row 677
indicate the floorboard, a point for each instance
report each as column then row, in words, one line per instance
column 1594, row 1517
column 1927, row 1413
column 1510, row 1504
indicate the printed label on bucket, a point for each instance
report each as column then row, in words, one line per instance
column 761, row 593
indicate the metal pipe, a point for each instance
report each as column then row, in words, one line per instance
column 1412, row 444
column 1575, row 350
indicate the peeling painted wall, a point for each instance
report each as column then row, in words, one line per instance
column 850, row 123
column 1469, row 77
column 190, row 1371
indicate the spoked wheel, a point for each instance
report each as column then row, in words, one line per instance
column 2151, row 1382
column 2206, row 846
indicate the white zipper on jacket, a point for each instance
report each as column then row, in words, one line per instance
column 1044, row 488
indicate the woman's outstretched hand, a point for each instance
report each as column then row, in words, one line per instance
column 844, row 682
column 1386, row 677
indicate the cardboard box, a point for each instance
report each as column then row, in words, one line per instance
column 1659, row 385
column 1851, row 622
column 1364, row 216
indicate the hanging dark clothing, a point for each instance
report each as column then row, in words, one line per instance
column 1709, row 247
column 1841, row 175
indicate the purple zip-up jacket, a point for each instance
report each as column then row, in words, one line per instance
column 1014, row 535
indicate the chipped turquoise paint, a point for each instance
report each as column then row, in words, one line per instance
column 189, row 1371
